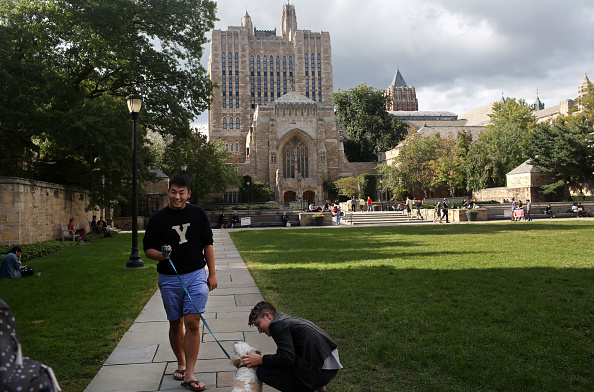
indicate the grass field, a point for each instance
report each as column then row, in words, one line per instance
column 487, row 307
column 72, row 315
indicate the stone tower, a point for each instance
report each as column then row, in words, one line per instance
column 254, row 67
column 583, row 87
column 404, row 98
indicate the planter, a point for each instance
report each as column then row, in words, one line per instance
column 471, row 216
column 318, row 220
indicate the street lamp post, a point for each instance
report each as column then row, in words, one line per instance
column 248, row 185
column 134, row 104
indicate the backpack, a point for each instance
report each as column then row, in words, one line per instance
column 335, row 209
column 18, row 373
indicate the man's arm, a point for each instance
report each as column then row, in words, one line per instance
column 209, row 256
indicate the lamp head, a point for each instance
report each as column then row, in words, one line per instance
column 134, row 103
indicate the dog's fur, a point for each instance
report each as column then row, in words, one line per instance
column 245, row 378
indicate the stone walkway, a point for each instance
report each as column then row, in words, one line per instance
column 144, row 361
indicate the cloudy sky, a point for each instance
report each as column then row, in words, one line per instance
column 458, row 54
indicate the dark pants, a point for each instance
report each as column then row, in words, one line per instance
column 445, row 215
column 284, row 380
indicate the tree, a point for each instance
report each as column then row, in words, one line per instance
column 414, row 167
column 502, row 146
column 206, row 164
column 368, row 127
column 66, row 67
column 450, row 167
column 347, row 186
column 567, row 150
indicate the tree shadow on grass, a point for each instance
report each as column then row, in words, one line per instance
column 448, row 330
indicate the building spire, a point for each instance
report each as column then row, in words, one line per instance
column 398, row 80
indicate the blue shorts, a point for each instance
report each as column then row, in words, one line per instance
column 175, row 299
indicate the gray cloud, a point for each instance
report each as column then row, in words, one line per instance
column 459, row 54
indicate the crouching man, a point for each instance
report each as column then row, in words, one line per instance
column 306, row 358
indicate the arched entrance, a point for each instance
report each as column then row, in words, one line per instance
column 309, row 196
column 289, row 196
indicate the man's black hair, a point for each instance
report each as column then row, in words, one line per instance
column 181, row 180
column 16, row 249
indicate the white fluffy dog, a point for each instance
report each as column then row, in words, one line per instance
column 245, row 377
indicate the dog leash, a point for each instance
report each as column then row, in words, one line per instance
column 166, row 251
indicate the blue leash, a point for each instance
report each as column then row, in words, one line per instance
column 164, row 250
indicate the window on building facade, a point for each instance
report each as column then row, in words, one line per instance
column 224, row 122
column 295, row 157
column 258, row 65
column 319, row 77
column 252, row 81
column 237, row 123
column 236, row 146
column 284, row 74
column 271, row 79
column 291, row 72
column 231, row 123
column 265, row 63
column 278, row 83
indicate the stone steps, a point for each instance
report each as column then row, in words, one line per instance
column 377, row 218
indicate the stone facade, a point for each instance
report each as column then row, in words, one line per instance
column 32, row 211
column 294, row 147
column 255, row 67
column 272, row 108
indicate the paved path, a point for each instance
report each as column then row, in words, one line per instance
column 144, row 361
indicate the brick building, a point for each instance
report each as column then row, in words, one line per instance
column 403, row 97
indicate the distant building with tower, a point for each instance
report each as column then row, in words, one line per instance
column 403, row 97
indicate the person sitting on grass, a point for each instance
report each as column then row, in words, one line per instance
column 10, row 266
column 306, row 357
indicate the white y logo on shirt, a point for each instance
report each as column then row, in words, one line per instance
column 181, row 231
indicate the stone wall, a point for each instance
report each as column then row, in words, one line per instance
column 32, row 211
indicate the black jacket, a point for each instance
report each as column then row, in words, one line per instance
column 301, row 346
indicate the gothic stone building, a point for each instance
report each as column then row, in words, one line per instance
column 272, row 107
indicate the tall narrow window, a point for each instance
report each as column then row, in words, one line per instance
column 313, row 76
column 252, row 81
column 291, row 72
column 319, row 77
column 259, row 80
column 224, row 80
column 271, row 79
column 265, row 64
column 231, row 123
column 284, row 74
column 278, row 83
column 237, row 123
column 224, row 122
column 236, row 80
column 236, row 146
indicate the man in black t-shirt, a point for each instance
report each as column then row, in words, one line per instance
column 185, row 228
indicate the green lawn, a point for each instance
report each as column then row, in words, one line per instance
column 72, row 315
column 482, row 307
